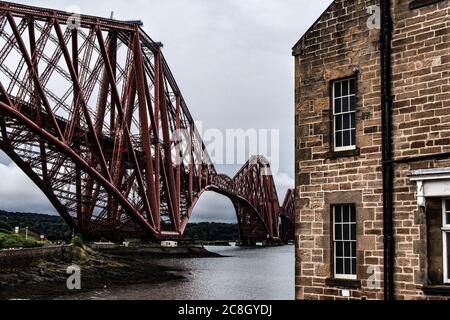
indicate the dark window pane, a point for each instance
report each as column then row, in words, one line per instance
column 337, row 89
column 448, row 254
column 346, row 138
column 339, row 266
column 345, row 106
column 347, row 249
column 447, row 208
column 346, row 120
column 337, row 105
column 353, row 232
column 345, row 88
column 346, row 213
column 352, row 86
column 338, row 123
column 353, row 137
column 354, row 266
column 353, row 211
column 346, row 234
column 352, row 103
column 339, row 139
column 339, row 249
column 354, row 250
column 347, row 266
column 338, row 231
column 337, row 214
column 353, row 120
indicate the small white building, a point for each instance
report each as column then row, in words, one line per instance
column 169, row 244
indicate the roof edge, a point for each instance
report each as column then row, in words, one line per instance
column 295, row 52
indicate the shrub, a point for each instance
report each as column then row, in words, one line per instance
column 5, row 231
column 77, row 241
column 5, row 225
column 9, row 240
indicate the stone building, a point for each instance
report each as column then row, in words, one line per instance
column 352, row 215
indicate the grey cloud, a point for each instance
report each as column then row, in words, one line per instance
column 18, row 192
column 4, row 159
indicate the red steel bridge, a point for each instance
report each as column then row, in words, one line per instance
column 92, row 114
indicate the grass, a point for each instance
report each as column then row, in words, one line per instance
column 10, row 240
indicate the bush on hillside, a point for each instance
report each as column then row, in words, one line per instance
column 77, row 241
column 5, row 231
column 5, row 225
column 9, row 240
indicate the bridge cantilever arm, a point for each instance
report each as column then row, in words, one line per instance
column 76, row 84
column 81, row 162
column 34, row 75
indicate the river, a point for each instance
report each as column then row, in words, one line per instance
column 242, row 274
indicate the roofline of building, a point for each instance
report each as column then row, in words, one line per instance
column 310, row 29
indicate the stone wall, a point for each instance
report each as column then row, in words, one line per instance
column 13, row 258
column 342, row 45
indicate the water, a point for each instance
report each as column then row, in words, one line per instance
column 244, row 274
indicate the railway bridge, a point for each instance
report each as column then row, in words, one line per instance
column 92, row 114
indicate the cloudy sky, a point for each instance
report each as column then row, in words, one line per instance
column 232, row 60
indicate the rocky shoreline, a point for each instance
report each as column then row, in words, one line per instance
column 45, row 279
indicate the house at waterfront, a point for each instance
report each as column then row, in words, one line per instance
column 373, row 151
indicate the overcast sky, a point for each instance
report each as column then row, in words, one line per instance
column 232, row 60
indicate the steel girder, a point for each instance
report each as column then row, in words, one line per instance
column 92, row 114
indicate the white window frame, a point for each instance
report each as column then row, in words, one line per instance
column 337, row 275
column 445, row 234
column 346, row 148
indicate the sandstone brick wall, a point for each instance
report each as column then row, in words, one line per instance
column 335, row 47
column 421, row 113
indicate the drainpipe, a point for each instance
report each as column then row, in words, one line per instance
column 388, row 169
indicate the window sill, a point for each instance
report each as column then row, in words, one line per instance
column 343, row 283
column 438, row 290
column 343, row 154
column 421, row 3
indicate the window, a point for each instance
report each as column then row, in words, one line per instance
column 344, row 115
column 344, row 238
column 446, row 239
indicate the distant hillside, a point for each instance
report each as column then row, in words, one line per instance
column 208, row 231
column 53, row 227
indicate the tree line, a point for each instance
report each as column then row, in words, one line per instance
column 54, row 228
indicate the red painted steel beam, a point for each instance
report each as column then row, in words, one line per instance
column 34, row 74
column 62, row 16
column 11, row 111
column 145, row 129
column 126, row 131
column 87, row 116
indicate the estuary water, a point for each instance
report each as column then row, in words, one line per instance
column 242, row 274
